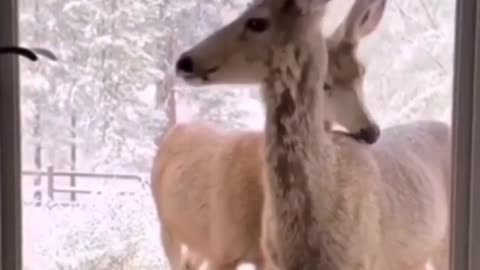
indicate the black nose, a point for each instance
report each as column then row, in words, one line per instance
column 369, row 135
column 185, row 64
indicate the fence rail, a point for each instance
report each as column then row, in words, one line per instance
column 51, row 187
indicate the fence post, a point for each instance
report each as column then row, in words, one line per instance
column 37, row 192
column 73, row 183
column 50, row 182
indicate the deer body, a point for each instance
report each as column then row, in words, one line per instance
column 396, row 221
column 207, row 189
column 414, row 164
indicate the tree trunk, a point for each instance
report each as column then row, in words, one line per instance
column 165, row 92
column 37, row 128
column 73, row 152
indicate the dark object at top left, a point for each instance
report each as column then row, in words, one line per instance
column 31, row 53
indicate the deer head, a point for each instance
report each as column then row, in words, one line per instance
column 344, row 84
column 241, row 52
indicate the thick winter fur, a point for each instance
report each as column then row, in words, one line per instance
column 330, row 202
column 225, row 180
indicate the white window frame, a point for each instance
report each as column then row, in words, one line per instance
column 465, row 243
column 10, row 161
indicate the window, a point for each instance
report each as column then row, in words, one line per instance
column 77, row 136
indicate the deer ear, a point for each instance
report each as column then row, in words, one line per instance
column 364, row 17
column 371, row 19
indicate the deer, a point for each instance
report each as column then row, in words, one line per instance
column 330, row 202
column 230, row 191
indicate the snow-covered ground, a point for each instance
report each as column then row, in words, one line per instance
column 104, row 232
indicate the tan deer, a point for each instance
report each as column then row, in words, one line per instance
column 330, row 202
column 222, row 171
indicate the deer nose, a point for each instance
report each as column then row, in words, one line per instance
column 369, row 135
column 185, row 64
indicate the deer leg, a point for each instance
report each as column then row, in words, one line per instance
column 222, row 265
column 192, row 261
column 259, row 264
column 425, row 266
column 441, row 259
column 172, row 249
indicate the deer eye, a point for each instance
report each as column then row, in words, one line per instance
column 257, row 24
column 327, row 87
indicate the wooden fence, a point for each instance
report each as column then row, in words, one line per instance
column 51, row 187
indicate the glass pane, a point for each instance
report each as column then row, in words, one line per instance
column 91, row 120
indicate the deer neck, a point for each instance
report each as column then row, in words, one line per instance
column 296, row 140
column 297, row 150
